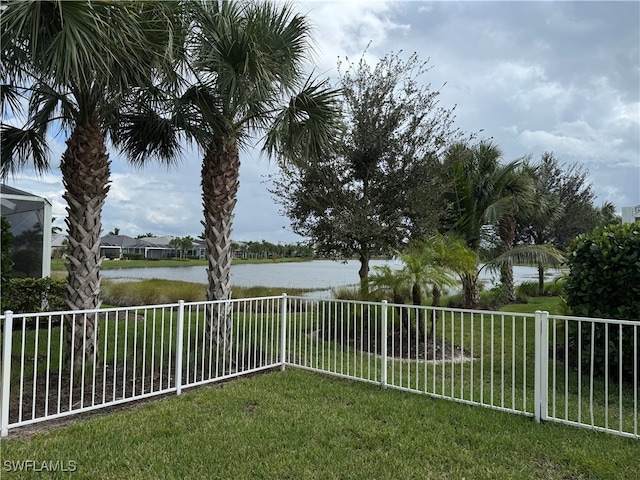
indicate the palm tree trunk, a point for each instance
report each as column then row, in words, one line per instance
column 403, row 313
column 220, row 172
column 437, row 294
column 540, row 280
column 364, row 272
column 507, row 233
column 85, row 175
column 421, row 324
column 470, row 292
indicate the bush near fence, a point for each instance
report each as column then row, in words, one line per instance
column 27, row 295
column 604, row 281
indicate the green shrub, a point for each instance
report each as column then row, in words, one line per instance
column 494, row 298
column 527, row 289
column 133, row 256
column 604, row 281
column 32, row 295
column 556, row 287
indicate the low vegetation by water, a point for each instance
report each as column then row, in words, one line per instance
column 158, row 291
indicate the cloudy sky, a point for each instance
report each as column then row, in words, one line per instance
column 534, row 76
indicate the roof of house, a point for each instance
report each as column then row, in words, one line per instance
column 6, row 189
column 144, row 242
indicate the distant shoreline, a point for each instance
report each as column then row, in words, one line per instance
column 58, row 265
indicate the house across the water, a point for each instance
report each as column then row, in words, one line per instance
column 150, row 248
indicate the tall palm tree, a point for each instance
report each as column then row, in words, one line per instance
column 482, row 195
column 536, row 222
column 72, row 63
column 246, row 69
column 487, row 193
column 520, row 195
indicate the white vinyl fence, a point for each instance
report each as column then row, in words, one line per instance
column 537, row 365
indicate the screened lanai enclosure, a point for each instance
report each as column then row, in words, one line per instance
column 29, row 217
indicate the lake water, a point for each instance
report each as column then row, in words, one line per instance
column 316, row 274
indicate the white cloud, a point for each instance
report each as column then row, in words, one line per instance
column 345, row 28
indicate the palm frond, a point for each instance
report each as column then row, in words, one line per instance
column 545, row 255
column 11, row 98
column 46, row 105
column 19, row 147
column 308, row 126
column 146, row 134
column 281, row 40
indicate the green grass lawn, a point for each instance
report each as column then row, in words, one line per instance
column 300, row 425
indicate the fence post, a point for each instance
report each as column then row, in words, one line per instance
column 179, row 339
column 5, row 385
column 541, row 372
column 283, row 332
column 383, row 353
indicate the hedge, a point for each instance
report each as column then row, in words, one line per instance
column 604, row 282
column 33, row 295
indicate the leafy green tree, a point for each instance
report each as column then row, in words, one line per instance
column 246, row 68
column 561, row 187
column 382, row 183
column 73, row 63
column 604, row 282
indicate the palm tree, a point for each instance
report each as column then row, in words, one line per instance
column 520, row 196
column 479, row 197
column 486, row 192
column 451, row 254
column 434, row 262
column 541, row 256
column 73, row 63
column 386, row 279
column 246, row 68
column 535, row 224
